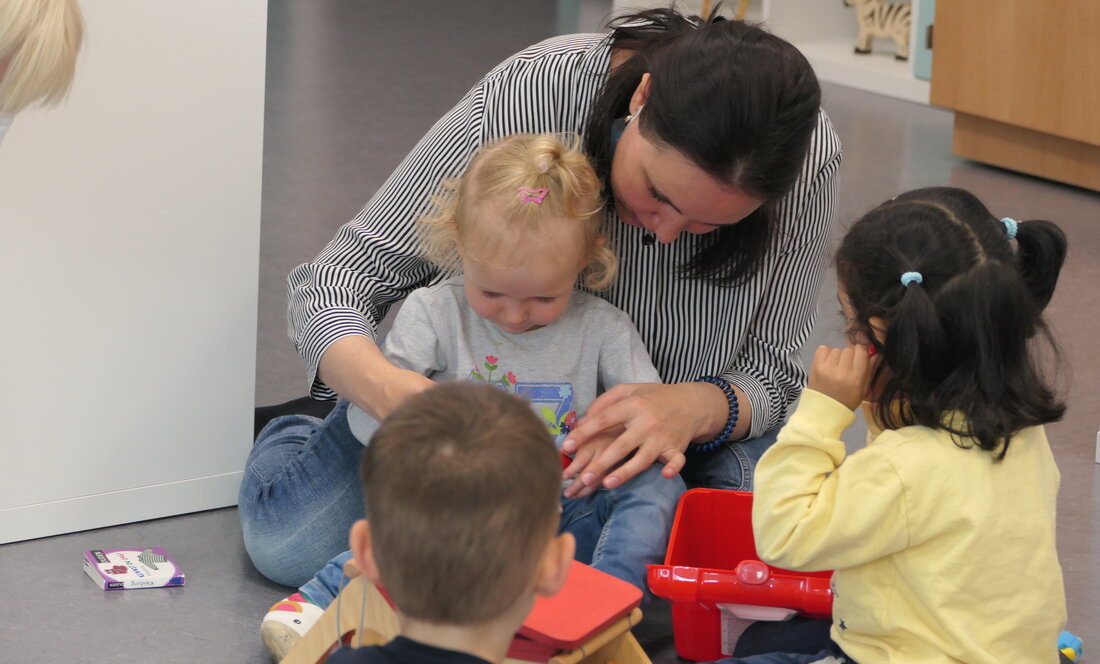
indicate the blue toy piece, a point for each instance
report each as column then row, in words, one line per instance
column 1071, row 646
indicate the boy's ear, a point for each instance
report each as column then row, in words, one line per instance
column 362, row 552
column 554, row 566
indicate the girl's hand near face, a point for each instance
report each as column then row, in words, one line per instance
column 654, row 422
column 843, row 373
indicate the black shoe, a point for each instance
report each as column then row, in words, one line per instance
column 299, row 406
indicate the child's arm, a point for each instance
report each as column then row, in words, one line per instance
column 810, row 512
column 623, row 360
column 409, row 353
column 623, row 356
column 413, row 342
column 350, row 358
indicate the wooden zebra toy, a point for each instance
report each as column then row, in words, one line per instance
column 878, row 18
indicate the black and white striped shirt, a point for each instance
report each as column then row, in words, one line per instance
column 751, row 334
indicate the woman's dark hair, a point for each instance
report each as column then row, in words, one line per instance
column 962, row 338
column 737, row 101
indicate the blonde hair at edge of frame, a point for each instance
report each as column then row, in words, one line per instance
column 39, row 42
column 492, row 211
column 463, row 484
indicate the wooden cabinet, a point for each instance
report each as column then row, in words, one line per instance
column 1023, row 78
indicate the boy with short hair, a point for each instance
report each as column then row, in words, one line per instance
column 463, row 483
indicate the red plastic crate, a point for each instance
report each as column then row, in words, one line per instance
column 711, row 559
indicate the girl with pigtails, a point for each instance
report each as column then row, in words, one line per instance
column 941, row 530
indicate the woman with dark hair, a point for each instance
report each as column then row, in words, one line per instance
column 733, row 160
column 719, row 169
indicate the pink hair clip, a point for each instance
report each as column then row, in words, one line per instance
column 528, row 195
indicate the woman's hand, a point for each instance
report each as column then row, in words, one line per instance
column 356, row 369
column 654, row 422
column 843, row 373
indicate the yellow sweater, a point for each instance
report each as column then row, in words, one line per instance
column 941, row 554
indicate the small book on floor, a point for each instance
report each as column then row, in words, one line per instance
column 588, row 603
column 124, row 569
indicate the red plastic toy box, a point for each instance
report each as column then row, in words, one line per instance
column 711, row 560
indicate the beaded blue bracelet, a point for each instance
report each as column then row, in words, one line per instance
column 731, row 397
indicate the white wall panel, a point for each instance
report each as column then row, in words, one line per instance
column 129, row 241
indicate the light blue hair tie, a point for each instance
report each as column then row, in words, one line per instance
column 1010, row 226
column 911, row 278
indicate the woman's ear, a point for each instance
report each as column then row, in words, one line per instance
column 555, row 563
column 362, row 551
column 641, row 94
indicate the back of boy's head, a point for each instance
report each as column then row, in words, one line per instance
column 958, row 336
column 39, row 42
column 519, row 192
column 462, row 484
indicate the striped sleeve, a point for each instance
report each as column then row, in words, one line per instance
column 374, row 260
column 768, row 367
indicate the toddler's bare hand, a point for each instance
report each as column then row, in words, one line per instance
column 592, row 449
column 843, row 373
column 399, row 385
column 351, row 570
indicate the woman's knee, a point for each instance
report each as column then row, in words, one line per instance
column 299, row 495
column 282, row 565
column 291, row 555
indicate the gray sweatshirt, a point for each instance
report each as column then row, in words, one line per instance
column 560, row 368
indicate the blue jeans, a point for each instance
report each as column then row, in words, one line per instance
column 300, row 495
column 730, row 466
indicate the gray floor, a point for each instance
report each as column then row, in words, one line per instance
column 351, row 86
